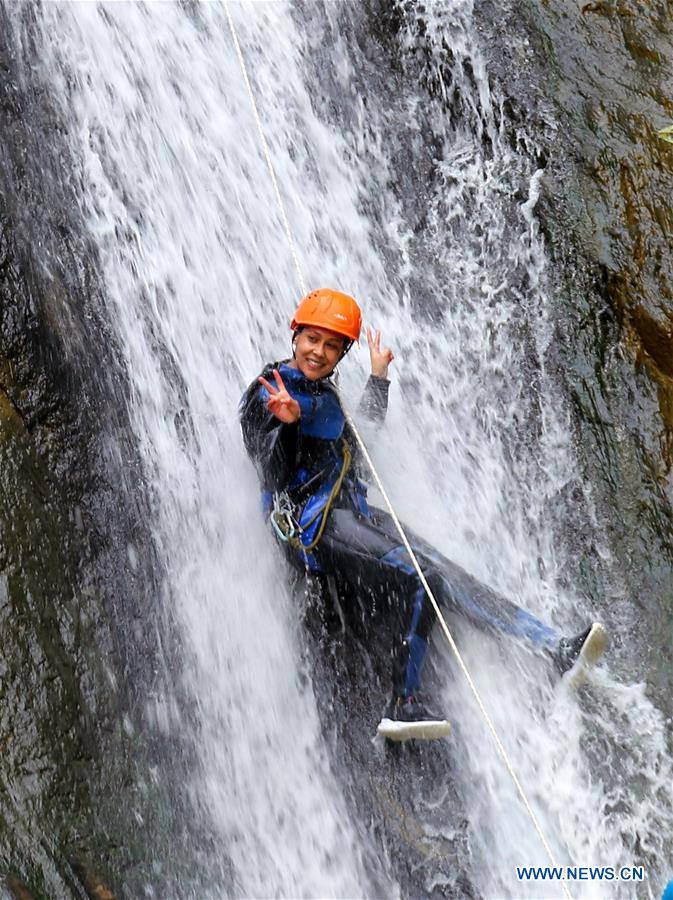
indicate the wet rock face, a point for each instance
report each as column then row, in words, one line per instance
column 45, row 722
column 591, row 84
column 611, row 67
column 53, row 576
column 68, row 511
column 407, row 794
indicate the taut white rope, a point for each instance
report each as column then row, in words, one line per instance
column 265, row 148
column 377, row 479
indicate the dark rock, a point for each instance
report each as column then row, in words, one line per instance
column 73, row 671
column 593, row 86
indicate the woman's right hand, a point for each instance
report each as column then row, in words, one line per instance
column 280, row 403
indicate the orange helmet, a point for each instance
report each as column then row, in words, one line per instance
column 329, row 309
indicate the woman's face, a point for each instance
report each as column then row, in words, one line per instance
column 317, row 351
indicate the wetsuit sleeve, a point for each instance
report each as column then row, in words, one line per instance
column 374, row 402
column 272, row 445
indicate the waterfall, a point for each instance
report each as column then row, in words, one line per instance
column 412, row 197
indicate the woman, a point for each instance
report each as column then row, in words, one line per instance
column 296, row 433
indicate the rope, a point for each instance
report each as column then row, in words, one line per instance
column 267, row 154
column 365, row 453
column 456, row 651
column 324, row 512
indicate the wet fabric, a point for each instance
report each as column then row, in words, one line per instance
column 361, row 544
column 305, row 459
column 366, row 552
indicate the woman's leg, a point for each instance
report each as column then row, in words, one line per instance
column 359, row 551
column 459, row 592
column 367, row 553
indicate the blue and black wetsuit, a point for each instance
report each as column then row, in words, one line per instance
column 359, row 543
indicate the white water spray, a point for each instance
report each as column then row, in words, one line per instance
column 195, row 267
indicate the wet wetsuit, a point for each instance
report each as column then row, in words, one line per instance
column 360, row 544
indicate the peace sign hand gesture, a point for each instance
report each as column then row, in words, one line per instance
column 280, row 403
column 381, row 359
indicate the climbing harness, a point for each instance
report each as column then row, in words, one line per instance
column 283, row 519
column 365, row 453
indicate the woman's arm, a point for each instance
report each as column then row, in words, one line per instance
column 380, row 359
column 272, row 444
column 374, row 402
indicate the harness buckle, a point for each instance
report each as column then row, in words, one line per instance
column 282, row 517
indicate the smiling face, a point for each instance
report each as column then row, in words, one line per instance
column 317, row 351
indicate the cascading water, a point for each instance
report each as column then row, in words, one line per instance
column 448, row 262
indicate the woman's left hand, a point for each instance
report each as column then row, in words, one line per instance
column 381, row 359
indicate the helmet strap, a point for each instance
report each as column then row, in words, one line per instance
column 295, row 335
column 347, row 345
